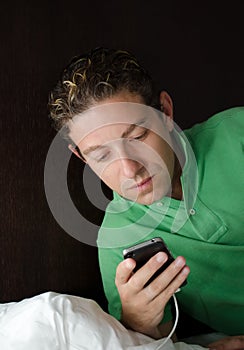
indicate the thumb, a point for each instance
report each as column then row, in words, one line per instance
column 124, row 271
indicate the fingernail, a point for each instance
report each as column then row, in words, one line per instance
column 186, row 270
column 161, row 257
column 179, row 261
column 129, row 264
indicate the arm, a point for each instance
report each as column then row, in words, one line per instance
column 229, row 343
column 143, row 308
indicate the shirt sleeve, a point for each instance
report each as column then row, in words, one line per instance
column 108, row 261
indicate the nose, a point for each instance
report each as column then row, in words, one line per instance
column 129, row 167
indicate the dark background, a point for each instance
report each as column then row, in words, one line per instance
column 194, row 50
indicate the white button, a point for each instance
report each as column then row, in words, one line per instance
column 159, row 204
column 192, row 211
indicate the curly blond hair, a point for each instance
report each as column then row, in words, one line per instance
column 92, row 77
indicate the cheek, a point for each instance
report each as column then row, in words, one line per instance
column 163, row 149
column 109, row 176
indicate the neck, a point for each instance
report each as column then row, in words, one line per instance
column 176, row 183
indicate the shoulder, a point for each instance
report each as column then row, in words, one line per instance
column 223, row 128
column 232, row 118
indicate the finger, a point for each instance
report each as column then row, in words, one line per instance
column 166, row 277
column 163, row 298
column 141, row 276
column 172, row 271
column 173, row 287
column 124, row 271
column 166, row 293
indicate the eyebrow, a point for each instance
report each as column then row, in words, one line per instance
column 127, row 132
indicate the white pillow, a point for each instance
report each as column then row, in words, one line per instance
column 52, row 321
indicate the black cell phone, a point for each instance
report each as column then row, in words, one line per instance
column 142, row 252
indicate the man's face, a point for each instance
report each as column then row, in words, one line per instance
column 130, row 158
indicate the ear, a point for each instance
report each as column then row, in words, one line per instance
column 74, row 150
column 166, row 103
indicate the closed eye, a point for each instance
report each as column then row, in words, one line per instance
column 102, row 158
column 141, row 136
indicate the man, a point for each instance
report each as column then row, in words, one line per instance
column 183, row 187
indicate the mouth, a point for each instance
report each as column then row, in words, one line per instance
column 143, row 184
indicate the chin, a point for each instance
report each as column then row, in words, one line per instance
column 148, row 199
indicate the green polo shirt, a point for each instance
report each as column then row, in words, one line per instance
column 206, row 227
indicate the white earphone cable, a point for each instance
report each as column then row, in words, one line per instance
column 175, row 324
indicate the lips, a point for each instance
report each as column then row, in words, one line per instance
column 142, row 184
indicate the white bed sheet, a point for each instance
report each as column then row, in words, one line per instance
column 52, row 321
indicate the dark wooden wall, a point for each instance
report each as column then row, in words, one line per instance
column 193, row 51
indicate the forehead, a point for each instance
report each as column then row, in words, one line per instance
column 112, row 116
column 107, row 133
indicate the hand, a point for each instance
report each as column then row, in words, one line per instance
column 143, row 308
column 229, row 343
